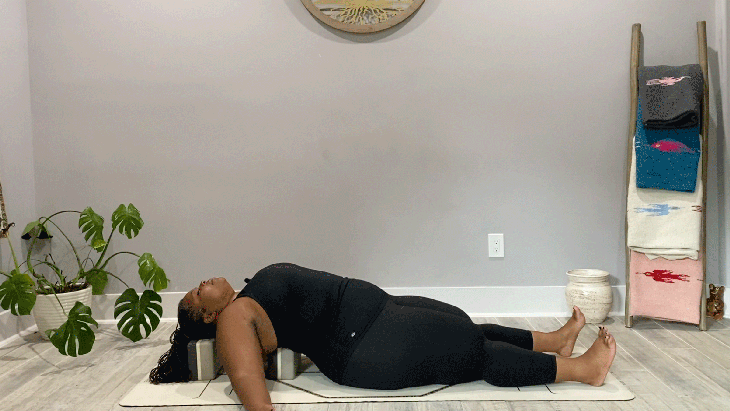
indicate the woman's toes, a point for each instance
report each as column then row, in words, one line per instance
column 577, row 313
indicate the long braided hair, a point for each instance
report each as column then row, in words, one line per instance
column 173, row 365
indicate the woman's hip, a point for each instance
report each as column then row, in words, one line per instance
column 415, row 342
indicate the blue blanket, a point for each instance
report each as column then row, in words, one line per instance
column 666, row 159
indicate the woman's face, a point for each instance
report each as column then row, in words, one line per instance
column 211, row 296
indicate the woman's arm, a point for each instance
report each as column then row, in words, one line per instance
column 240, row 353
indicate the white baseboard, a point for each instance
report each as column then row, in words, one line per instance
column 546, row 301
column 475, row 301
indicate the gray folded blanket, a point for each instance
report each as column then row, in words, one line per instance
column 671, row 96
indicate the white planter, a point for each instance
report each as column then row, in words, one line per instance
column 48, row 314
column 590, row 291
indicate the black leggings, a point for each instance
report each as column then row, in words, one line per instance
column 417, row 341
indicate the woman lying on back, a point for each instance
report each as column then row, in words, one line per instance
column 360, row 336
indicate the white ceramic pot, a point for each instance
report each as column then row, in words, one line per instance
column 48, row 314
column 590, row 291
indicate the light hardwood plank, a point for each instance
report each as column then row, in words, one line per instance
column 699, row 364
column 659, row 384
column 487, row 406
column 706, row 342
column 677, row 377
column 21, row 383
column 124, row 350
column 338, row 406
column 721, row 335
column 130, row 371
column 657, row 333
column 539, row 406
column 67, row 382
column 627, row 369
column 543, row 324
column 72, row 377
column 360, row 406
column 402, row 406
column 669, row 366
column 713, row 324
column 306, row 407
column 20, row 352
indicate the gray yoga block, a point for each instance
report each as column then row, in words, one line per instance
column 202, row 360
column 204, row 365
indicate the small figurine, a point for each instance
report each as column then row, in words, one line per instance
column 715, row 306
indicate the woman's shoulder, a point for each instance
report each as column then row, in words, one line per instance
column 242, row 308
column 246, row 310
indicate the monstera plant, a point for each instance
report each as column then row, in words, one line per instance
column 76, row 335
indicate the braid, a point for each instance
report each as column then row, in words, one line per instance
column 173, row 365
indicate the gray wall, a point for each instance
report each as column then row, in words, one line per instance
column 722, row 104
column 16, row 141
column 248, row 133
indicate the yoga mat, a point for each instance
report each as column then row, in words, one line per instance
column 311, row 386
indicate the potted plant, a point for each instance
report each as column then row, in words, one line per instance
column 22, row 288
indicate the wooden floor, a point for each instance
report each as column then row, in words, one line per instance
column 669, row 366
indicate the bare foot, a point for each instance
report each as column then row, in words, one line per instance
column 569, row 332
column 599, row 358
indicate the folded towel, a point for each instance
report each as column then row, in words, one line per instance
column 665, row 289
column 672, row 95
column 663, row 223
column 666, row 159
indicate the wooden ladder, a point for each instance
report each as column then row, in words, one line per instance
column 702, row 53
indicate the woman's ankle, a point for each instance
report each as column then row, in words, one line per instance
column 547, row 342
column 571, row 369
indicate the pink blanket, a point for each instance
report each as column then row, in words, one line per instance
column 666, row 289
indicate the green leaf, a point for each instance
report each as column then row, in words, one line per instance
column 75, row 336
column 98, row 280
column 128, row 220
column 150, row 272
column 92, row 225
column 98, row 244
column 30, row 227
column 138, row 313
column 16, row 293
column 35, row 229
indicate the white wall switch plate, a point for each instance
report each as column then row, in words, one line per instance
column 496, row 245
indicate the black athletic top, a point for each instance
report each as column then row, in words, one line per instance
column 321, row 315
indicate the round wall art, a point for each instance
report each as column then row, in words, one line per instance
column 362, row 16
